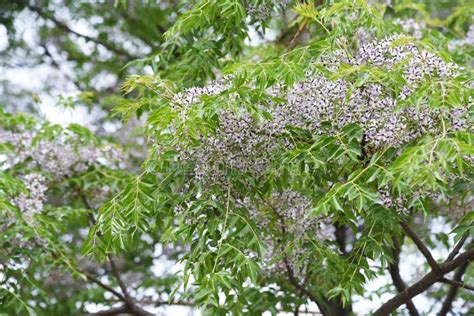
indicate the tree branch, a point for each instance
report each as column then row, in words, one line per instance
column 125, row 309
column 458, row 247
column 67, row 29
column 297, row 35
column 302, row 289
column 394, row 270
column 116, row 274
column 341, row 238
column 105, row 286
column 421, row 246
column 457, row 284
column 130, row 305
column 112, row 311
column 426, row 282
column 453, row 291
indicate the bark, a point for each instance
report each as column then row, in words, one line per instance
column 453, row 291
column 425, row 283
column 397, row 278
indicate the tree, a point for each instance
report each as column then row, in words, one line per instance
column 280, row 175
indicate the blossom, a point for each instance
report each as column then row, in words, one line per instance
column 243, row 143
column 61, row 156
column 32, row 202
column 467, row 41
column 411, row 27
column 287, row 211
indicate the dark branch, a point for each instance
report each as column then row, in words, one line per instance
column 302, row 289
column 341, row 238
column 458, row 247
column 453, row 291
column 394, row 270
column 457, row 284
column 421, row 246
column 297, row 35
column 67, row 29
column 105, row 287
column 425, row 283
column 120, row 282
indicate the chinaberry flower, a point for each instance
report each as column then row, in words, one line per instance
column 32, row 202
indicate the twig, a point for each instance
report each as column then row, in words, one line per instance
column 297, row 35
column 116, row 274
column 105, row 286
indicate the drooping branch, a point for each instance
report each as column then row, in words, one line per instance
column 425, row 283
column 394, row 271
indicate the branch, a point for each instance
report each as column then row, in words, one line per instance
column 301, row 288
column 297, row 35
column 394, row 270
column 125, row 309
column 453, row 291
column 119, row 280
column 422, row 285
column 421, row 246
column 130, row 305
column 455, row 283
column 105, row 286
column 341, row 238
column 458, row 247
column 66, row 28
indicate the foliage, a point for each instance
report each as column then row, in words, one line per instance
column 292, row 171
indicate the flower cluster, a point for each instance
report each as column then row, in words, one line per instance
column 363, row 36
column 467, row 41
column 411, row 27
column 60, row 156
column 247, row 145
column 287, row 210
column 262, row 10
column 32, row 202
column 240, row 144
column 192, row 95
column 402, row 203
